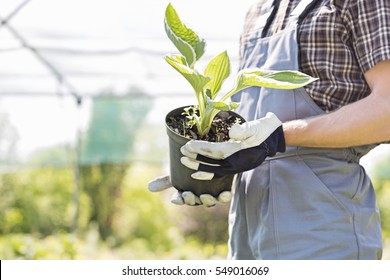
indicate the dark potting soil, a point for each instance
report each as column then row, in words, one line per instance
column 219, row 131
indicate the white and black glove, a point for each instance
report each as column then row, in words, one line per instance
column 251, row 143
column 189, row 198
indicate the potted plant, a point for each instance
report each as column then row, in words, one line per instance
column 211, row 118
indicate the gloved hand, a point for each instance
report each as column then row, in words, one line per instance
column 188, row 198
column 251, row 143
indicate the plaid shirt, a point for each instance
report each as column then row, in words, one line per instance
column 339, row 40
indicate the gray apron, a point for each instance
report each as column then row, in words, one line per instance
column 306, row 203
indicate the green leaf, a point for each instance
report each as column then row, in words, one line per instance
column 284, row 79
column 197, row 80
column 184, row 48
column 178, row 59
column 234, row 105
column 219, row 69
column 186, row 40
column 222, row 106
column 208, row 93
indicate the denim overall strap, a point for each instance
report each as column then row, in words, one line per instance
column 297, row 15
column 306, row 203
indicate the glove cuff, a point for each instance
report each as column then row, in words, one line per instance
column 275, row 142
column 282, row 141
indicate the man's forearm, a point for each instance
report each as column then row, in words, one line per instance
column 364, row 122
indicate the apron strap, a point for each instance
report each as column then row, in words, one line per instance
column 280, row 15
column 271, row 17
column 301, row 10
column 296, row 16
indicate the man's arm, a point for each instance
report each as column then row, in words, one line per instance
column 366, row 121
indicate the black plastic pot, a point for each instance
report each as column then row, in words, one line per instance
column 181, row 175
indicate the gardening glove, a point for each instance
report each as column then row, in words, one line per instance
column 251, row 143
column 189, row 198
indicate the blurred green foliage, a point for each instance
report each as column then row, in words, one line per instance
column 381, row 181
column 36, row 200
column 36, row 212
column 102, row 182
column 383, row 201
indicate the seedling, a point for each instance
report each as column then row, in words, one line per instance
column 207, row 84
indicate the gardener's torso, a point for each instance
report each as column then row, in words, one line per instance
column 305, row 203
column 328, row 49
